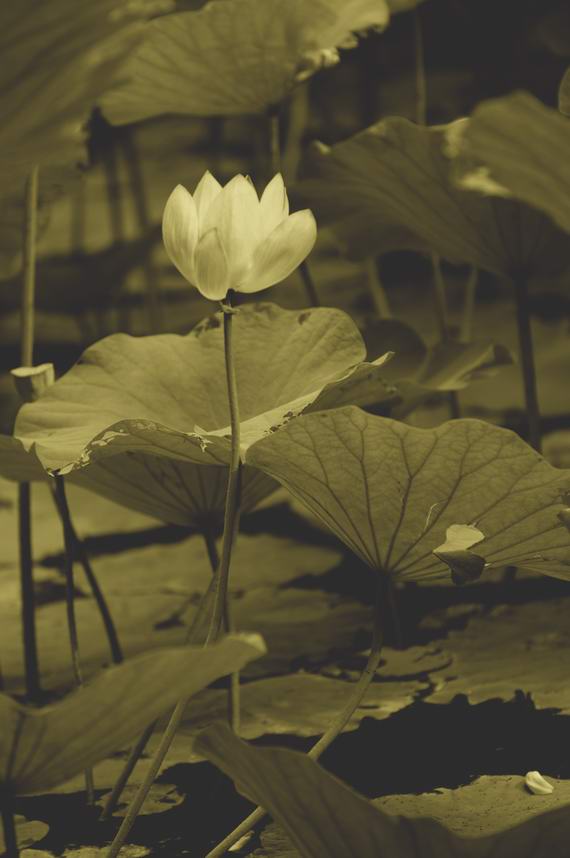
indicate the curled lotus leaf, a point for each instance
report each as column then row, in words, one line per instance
column 166, row 395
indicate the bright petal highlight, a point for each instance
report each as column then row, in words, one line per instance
column 225, row 238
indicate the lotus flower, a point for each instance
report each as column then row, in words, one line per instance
column 223, row 238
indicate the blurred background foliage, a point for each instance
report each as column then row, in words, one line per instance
column 102, row 267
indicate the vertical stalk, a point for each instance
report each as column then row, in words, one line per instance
column 377, row 291
column 138, row 191
column 70, row 606
column 526, row 354
column 80, row 553
column 231, row 524
column 338, row 724
column 29, row 241
column 9, row 827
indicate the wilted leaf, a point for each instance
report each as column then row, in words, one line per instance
column 235, row 56
column 40, row 748
column 323, row 816
column 389, row 188
column 524, row 146
column 390, row 491
column 166, row 395
column 522, row 647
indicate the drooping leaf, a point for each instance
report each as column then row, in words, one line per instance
column 58, row 58
column 323, row 816
column 40, row 748
column 390, row 491
column 235, row 56
column 166, row 395
column 523, row 147
column 390, row 188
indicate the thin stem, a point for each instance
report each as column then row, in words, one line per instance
column 29, row 241
column 234, row 704
column 138, row 191
column 29, row 270
column 309, row 284
column 233, row 491
column 440, row 299
column 70, row 606
column 466, row 331
column 231, row 523
column 377, row 291
column 9, row 827
column 33, row 689
column 337, row 726
column 526, row 354
column 191, row 638
column 80, row 553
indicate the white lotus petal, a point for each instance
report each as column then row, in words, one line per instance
column 281, row 252
column 274, row 205
column 180, row 230
column 235, row 214
column 537, row 784
column 211, row 266
column 460, row 537
column 206, row 192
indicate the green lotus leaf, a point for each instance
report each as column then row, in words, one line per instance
column 40, row 748
column 45, row 47
column 390, row 491
column 235, row 56
column 390, row 187
column 166, row 395
column 323, row 816
column 522, row 146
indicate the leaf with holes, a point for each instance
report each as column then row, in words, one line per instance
column 236, row 56
column 40, row 748
column 390, row 491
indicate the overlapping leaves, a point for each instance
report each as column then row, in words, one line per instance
column 323, row 816
column 40, row 748
column 390, row 491
column 166, row 395
column 235, row 56
column 390, row 187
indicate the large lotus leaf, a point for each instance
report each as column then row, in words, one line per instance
column 323, row 816
column 390, row 188
column 57, row 59
column 174, row 492
column 234, row 56
column 523, row 147
column 390, row 491
column 166, row 395
column 40, row 748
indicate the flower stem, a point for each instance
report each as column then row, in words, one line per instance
column 526, row 354
column 80, row 553
column 191, row 638
column 337, row 726
column 70, row 606
column 466, row 333
column 9, row 827
column 29, row 241
column 377, row 290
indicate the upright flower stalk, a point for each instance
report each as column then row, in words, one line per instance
column 225, row 240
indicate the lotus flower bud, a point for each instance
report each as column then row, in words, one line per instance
column 223, row 238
